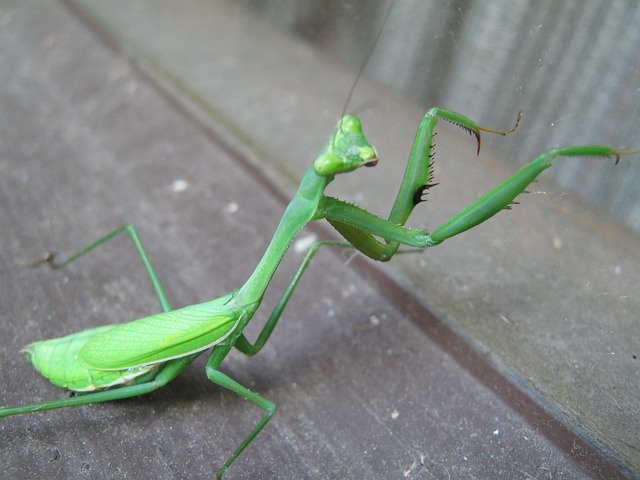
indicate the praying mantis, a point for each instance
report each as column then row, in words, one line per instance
column 125, row 360
column 119, row 361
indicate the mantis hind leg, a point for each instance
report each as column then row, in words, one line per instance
column 150, row 382
column 167, row 373
column 137, row 243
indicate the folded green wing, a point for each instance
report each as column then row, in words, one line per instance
column 163, row 336
column 57, row 360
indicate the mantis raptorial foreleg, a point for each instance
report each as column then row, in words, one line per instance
column 503, row 195
column 361, row 228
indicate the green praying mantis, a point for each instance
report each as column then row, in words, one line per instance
column 125, row 360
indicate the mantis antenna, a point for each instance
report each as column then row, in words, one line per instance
column 367, row 57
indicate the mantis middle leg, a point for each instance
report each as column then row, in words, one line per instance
column 242, row 343
column 225, row 381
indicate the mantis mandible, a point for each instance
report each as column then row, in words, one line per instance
column 126, row 360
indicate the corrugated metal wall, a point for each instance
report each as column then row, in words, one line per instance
column 572, row 66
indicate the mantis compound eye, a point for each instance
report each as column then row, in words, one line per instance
column 369, row 156
column 327, row 164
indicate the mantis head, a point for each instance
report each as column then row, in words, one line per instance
column 346, row 150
